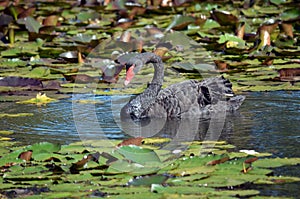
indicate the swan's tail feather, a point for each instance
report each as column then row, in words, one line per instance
column 216, row 89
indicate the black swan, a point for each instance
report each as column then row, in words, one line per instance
column 189, row 98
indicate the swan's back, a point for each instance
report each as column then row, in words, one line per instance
column 194, row 98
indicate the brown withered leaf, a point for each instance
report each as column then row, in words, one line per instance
column 241, row 31
column 161, row 51
column 4, row 3
column 131, row 141
column 50, row 20
column 250, row 160
column 219, row 161
column 265, row 38
column 152, row 31
column 221, row 65
column 278, row 181
column 126, row 36
column 26, row 155
column 269, row 27
column 224, row 18
column 80, row 164
column 268, row 61
column 26, row 12
column 136, row 11
column 287, row 28
column 289, row 74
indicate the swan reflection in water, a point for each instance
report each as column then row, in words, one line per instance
column 179, row 110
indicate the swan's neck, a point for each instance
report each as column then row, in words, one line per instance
column 158, row 65
column 141, row 103
column 158, row 77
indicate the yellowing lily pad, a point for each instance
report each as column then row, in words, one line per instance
column 40, row 99
column 6, row 132
column 15, row 114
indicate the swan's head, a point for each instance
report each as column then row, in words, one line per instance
column 131, row 70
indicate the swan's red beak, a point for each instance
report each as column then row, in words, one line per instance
column 129, row 75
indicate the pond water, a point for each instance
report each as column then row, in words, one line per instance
column 266, row 122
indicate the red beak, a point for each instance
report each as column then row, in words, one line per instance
column 129, row 75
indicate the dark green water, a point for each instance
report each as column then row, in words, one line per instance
column 267, row 122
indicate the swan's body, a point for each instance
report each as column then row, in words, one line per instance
column 185, row 99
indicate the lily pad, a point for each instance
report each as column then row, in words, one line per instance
column 40, row 99
column 15, row 114
column 139, row 155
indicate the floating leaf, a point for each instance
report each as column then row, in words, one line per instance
column 210, row 24
column 180, row 22
column 26, row 155
column 131, row 141
column 44, row 147
column 278, row 2
column 138, row 154
column 219, row 161
column 148, row 180
column 6, row 132
column 15, row 114
column 31, row 24
column 276, row 162
column 224, row 18
column 20, row 81
column 85, row 16
column 39, row 72
column 290, row 14
column 231, row 38
column 40, row 99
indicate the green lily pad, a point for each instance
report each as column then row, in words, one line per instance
column 139, row 155
column 31, row 24
column 231, row 38
column 180, row 22
column 276, row 162
column 290, row 14
column 148, row 180
column 43, row 147
column 210, row 24
column 39, row 72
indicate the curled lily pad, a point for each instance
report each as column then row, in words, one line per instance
column 223, row 17
column 180, row 22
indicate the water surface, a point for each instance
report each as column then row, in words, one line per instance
column 266, row 122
